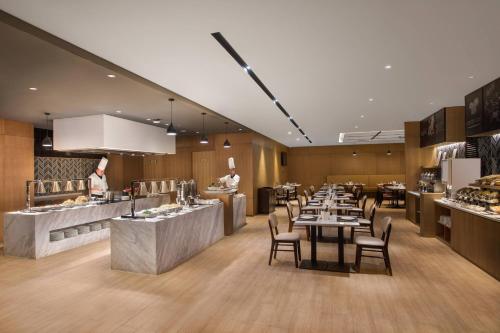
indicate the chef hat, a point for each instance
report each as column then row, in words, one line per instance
column 230, row 162
column 103, row 163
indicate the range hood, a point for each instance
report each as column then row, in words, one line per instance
column 104, row 133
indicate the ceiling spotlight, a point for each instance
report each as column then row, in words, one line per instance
column 118, row 111
column 240, row 129
column 370, row 99
column 362, row 116
column 298, row 139
column 387, row 66
column 275, row 101
column 33, row 89
column 356, row 126
column 149, row 119
column 341, row 137
column 156, row 121
column 471, row 76
column 290, row 117
column 431, row 103
column 111, row 76
column 289, row 132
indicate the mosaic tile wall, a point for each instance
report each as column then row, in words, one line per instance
column 64, row 168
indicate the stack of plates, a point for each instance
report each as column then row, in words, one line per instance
column 106, row 224
column 83, row 229
column 70, row 232
column 56, row 236
column 95, row 226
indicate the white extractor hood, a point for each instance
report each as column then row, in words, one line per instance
column 103, row 133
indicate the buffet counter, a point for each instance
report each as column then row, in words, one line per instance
column 235, row 206
column 156, row 245
column 473, row 234
column 40, row 234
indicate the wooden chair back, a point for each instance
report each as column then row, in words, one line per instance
column 273, row 225
column 386, row 230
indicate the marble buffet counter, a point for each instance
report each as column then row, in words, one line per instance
column 156, row 245
column 30, row 234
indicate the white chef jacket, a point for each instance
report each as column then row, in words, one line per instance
column 231, row 182
column 98, row 182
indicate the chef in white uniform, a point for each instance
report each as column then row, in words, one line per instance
column 98, row 179
column 232, row 179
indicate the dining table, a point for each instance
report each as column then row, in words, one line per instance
column 395, row 189
column 326, row 220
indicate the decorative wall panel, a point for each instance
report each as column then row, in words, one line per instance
column 489, row 152
column 64, row 168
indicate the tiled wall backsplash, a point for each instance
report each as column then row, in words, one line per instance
column 64, row 168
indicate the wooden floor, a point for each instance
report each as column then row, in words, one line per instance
column 230, row 288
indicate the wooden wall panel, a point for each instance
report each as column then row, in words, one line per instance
column 133, row 169
column 311, row 165
column 204, row 168
column 114, row 172
column 17, row 165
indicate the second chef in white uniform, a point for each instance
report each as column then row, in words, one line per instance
column 98, row 179
column 232, row 179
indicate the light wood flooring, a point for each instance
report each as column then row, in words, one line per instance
column 230, row 288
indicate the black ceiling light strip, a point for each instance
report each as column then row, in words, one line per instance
column 225, row 44
column 378, row 133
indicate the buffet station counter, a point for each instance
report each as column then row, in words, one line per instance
column 157, row 240
column 235, row 206
column 471, row 231
column 42, row 231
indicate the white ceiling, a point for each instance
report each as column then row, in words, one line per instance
column 322, row 59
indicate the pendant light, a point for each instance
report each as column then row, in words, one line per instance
column 389, row 152
column 171, row 129
column 204, row 138
column 354, row 154
column 47, row 141
column 227, row 144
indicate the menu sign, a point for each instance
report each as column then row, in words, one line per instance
column 491, row 106
column 433, row 129
column 474, row 112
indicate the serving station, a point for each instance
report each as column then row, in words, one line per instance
column 158, row 241
column 39, row 233
column 234, row 207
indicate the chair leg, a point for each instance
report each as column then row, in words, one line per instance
column 275, row 249
column 271, row 253
column 298, row 247
column 359, row 250
column 387, row 261
column 372, row 231
column 308, row 233
column 295, row 255
column 352, row 235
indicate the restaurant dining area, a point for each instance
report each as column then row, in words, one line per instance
column 284, row 166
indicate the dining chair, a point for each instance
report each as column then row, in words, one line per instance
column 374, row 244
column 283, row 239
column 291, row 218
column 360, row 211
column 302, row 211
column 366, row 225
column 281, row 195
column 306, row 194
column 311, row 189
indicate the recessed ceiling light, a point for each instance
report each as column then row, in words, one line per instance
column 156, row 121
column 370, row 99
column 356, row 126
column 112, row 76
column 33, row 89
column 471, row 76
column 149, row 119
column 298, row 139
column 240, row 129
column 118, row 111
column 387, row 66
column 362, row 116
column 289, row 132
column 431, row 103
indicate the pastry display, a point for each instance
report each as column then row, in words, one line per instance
column 478, row 199
column 68, row 203
column 81, row 200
